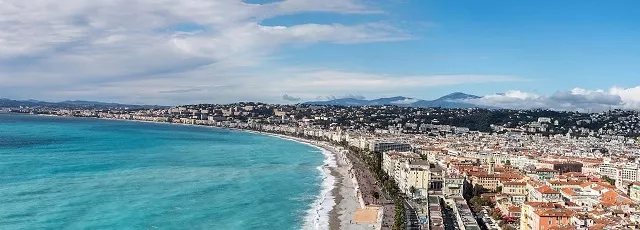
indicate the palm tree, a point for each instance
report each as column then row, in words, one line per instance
column 413, row 191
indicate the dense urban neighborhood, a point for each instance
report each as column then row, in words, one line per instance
column 451, row 168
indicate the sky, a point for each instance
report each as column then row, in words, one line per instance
column 568, row 55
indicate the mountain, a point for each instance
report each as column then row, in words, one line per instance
column 71, row 104
column 393, row 101
column 340, row 102
column 361, row 102
column 453, row 100
column 457, row 96
column 90, row 103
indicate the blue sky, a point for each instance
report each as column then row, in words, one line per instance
column 221, row 51
column 558, row 45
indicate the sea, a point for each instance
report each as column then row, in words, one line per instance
column 87, row 173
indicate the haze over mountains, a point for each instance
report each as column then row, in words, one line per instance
column 4, row 102
column 453, row 100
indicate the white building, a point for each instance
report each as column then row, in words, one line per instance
column 382, row 146
column 416, row 174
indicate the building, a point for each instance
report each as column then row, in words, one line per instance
column 559, row 184
column 634, row 191
column 487, row 181
column 453, row 185
column 627, row 172
column 545, row 173
column 608, row 169
column 408, row 170
column 516, row 190
column 564, row 167
column 391, row 161
column 416, row 174
column 544, row 193
column 544, row 216
column 378, row 146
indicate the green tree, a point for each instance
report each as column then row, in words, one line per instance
column 413, row 190
column 375, row 195
column 399, row 222
column 477, row 190
column 609, row 180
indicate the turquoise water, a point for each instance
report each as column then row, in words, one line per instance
column 73, row 173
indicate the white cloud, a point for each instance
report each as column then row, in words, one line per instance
column 339, row 80
column 406, row 101
column 174, row 52
column 79, row 45
column 630, row 96
column 576, row 99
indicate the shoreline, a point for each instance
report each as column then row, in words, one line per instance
column 342, row 194
column 337, row 187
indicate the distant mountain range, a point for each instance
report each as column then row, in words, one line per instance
column 4, row 102
column 453, row 100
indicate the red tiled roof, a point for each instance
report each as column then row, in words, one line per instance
column 546, row 190
column 569, row 191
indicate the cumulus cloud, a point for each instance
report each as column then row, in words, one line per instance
column 571, row 100
column 74, row 46
column 189, row 51
column 340, row 80
column 286, row 97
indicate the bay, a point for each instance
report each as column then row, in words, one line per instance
column 78, row 173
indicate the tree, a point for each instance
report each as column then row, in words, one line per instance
column 477, row 190
column 477, row 202
column 609, row 180
column 375, row 195
column 399, row 222
column 499, row 189
column 508, row 162
column 413, row 190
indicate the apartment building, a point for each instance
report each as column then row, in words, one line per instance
column 415, row 173
column 383, row 146
column 544, row 216
column 544, row 193
column 634, row 191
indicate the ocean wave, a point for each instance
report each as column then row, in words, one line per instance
column 318, row 215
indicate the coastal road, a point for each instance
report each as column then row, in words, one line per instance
column 369, row 183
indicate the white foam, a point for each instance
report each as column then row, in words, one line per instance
column 318, row 216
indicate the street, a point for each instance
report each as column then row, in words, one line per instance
column 412, row 217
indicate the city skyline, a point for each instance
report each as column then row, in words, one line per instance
column 543, row 54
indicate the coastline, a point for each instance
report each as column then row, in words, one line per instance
column 345, row 195
column 341, row 191
column 337, row 202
